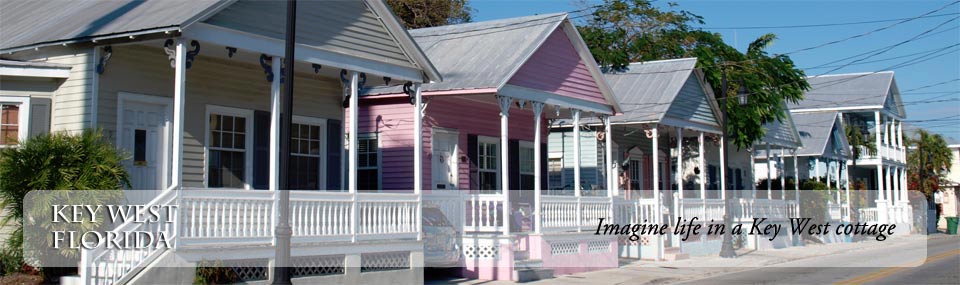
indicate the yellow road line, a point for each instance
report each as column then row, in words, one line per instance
column 873, row 276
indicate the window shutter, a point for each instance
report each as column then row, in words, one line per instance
column 39, row 116
column 544, row 167
column 513, row 164
column 261, row 150
column 647, row 179
column 472, row 148
column 334, row 150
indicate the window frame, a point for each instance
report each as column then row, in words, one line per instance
column 550, row 157
column 23, row 117
column 533, row 163
column 322, row 123
column 481, row 140
column 376, row 137
column 248, row 142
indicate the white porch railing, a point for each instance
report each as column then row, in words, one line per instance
column 834, row 211
column 570, row 213
column 868, row 215
column 245, row 217
column 635, row 211
column 484, row 213
column 747, row 209
column 703, row 209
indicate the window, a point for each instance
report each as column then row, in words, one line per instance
column 487, row 155
column 14, row 112
column 636, row 174
column 527, row 169
column 229, row 144
column 368, row 164
column 307, row 153
column 555, row 173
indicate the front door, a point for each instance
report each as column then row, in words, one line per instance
column 143, row 134
column 444, row 165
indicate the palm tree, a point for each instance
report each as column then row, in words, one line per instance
column 927, row 161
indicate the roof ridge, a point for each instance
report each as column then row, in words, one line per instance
column 485, row 25
column 852, row 74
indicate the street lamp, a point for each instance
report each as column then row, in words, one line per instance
column 726, row 250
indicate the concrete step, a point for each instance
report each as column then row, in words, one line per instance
column 532, row 274
column 673, row 254
column 527, row 264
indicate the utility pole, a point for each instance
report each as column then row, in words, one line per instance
column 283, row 232
column 726, row 248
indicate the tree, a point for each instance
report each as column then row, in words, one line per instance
column 928, row 161
column 619, row 32
column 856, row 140
column 417, row 14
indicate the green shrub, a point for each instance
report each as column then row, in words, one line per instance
column 214, row 272
column 58, row 161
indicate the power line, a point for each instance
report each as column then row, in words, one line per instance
column 825, row 25
column 932, row 85
column 889, row 58
column 880, row 48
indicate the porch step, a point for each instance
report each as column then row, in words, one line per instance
column 674, row 254
column 530, row 270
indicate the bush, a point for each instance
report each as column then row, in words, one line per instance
column 214, row 272
column 58, row 161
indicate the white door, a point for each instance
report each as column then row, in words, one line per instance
column 444, row 160
column 142, row 134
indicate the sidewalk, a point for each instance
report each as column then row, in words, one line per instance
column 650, row 272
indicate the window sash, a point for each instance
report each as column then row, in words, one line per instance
column 239, row 129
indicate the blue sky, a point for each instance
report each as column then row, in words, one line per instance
column 722, row 14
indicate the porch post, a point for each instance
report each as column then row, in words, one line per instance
column 679, row 172
column 876, row 125
column 417, row 139
column 846, row 176
column 703, row 171
column 769, row 171
column 816, row 167
column 611, row 167
column 796, row 183
column 576, row 152
column 537, row 112
column 179, row 91
column 656, row 189
column 354, row 130
column 890, row 186
column 723, row 168
column 504, row 160
column 275, row 125
column 753, row 172
column 782, row 173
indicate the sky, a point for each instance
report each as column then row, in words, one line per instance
column 940, row 103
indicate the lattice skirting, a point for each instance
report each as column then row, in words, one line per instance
column 481, row 251
column 598, row 246
column 304, row 266
column 564, row 247
column 385, row 261
column 249, row 269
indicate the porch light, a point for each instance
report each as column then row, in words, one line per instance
column 742, row 95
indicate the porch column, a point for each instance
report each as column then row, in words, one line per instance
column 537, row 112
column 889, row 188
column 611, row 167
column 796, row 183
column 504, row 160
column 782, row 172
column 905, row 189
column 576, row 152
column 417, row 139
column 679, row 172
column 769, row 171
column 703, row 180
column 846, row 175
column 723, row 168
column 826, row 174
column 354, row 132
column 179, row 93
column 876, row 125
column 753, row 172
column 816, row 167
column 275, row 125
column 658, row 210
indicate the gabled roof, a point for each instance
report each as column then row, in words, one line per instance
column 33, row 24
column 783, row 134
column 817, row 130
column 486, row 55
column 866, row 91
column 648, row 91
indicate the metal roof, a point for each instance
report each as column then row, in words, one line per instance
column 849, row 91
column 815, row 132
column 783, row 134
column 28, row 24
column 645, row 90
column 479, row 55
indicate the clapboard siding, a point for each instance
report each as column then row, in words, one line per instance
column 71, row 102
column 393, row 118
column 556, row 67
column 562, row 142
column 146, row 70
column 691, row 104
column 343, row 26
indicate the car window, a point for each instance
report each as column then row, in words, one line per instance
column 434, row 217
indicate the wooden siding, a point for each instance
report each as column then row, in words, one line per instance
column 146, row 70
column 691, row 104
column 71, row 103
column 393, row 118
column 557, row 68
column 343, row 26
column 591, row 157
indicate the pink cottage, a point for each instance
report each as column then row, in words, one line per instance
column 483, row 133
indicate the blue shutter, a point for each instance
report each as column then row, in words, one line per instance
column 261, row 150
column 334, row 150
